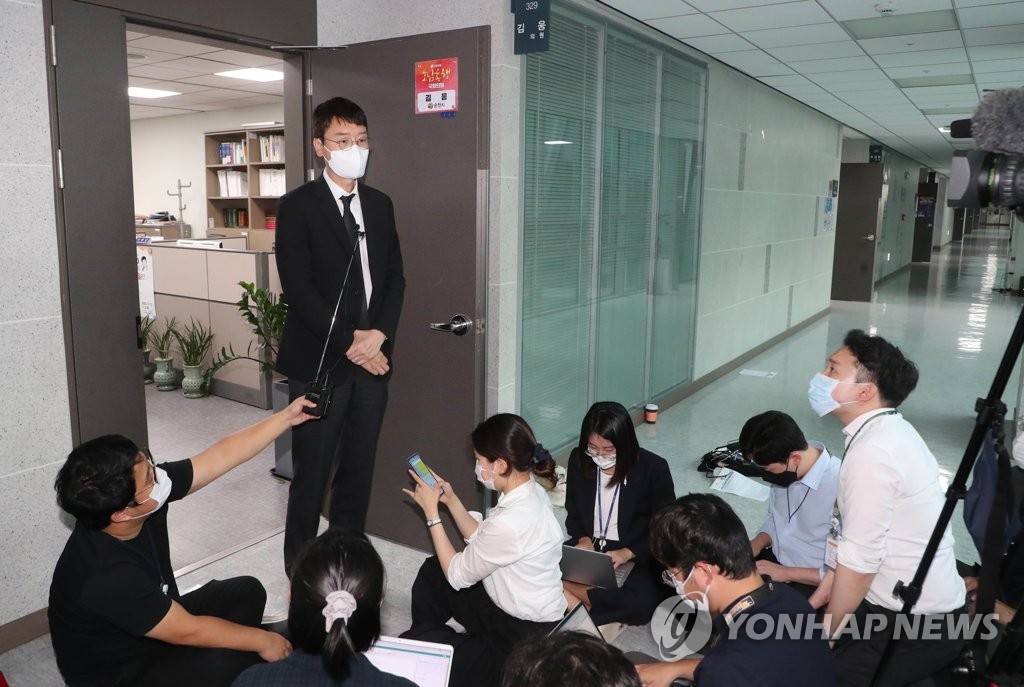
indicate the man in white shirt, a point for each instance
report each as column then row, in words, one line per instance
column 790, row 545
column 888, row 502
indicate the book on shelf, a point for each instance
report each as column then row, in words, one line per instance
column 271, row 221
column 236, row 217
column 272, row 182
column 271, row 148
column 233, row 183
column 232, row 152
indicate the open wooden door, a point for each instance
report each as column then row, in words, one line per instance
column 435, row 168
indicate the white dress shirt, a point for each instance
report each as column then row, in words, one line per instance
column 515, row 553
column 607, row 511
column 798, row 516
column 889, row 499
column 357, row 211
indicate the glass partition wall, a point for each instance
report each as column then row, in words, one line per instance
column 612, row 186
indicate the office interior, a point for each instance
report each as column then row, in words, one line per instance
column 682, row 235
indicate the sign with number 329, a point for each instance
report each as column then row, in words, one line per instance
column 437, row 85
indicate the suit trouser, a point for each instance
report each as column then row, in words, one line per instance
column 490, row 635
column 240, row 600
column 345, row 438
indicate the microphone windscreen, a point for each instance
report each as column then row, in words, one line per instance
column 998, row 123
column 960, row 128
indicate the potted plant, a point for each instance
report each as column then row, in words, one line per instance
column 194, row 343
column 166, row 377
column 148, row 368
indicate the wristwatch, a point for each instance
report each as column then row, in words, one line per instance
column 435, row 521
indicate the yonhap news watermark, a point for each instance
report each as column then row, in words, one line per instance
column 681, row 629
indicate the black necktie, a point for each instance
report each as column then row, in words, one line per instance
column 356, row 275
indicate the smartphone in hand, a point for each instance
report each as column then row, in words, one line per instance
column 421, row 469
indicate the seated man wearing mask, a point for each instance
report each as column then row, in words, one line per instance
column 790, row 546
column 764, row 633
column 116, row 616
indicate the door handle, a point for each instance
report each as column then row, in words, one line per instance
column 869, row 237
column 458, row 325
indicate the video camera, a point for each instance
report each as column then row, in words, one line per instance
column 993, row 174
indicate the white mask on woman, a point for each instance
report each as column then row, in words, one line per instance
column 478, row 469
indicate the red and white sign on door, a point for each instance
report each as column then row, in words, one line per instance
column 437, row 85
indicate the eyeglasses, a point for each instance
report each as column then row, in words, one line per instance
column 148, row 457
column 594, row 453
column 668, row 577
column 346, row 143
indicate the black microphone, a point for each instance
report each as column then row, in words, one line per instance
column 319, row 390
column 997, row 124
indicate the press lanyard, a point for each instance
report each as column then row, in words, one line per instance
column 602, row 541
column 859, row 429
column 156, row 560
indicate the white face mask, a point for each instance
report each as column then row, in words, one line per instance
column 602, row 462
column 348, row 164
column 159, row 493
column 479, row 471
column 819, row 394
column 699, row 604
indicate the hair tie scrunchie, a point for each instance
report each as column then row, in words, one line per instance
column 541, row 454
column 340, row 605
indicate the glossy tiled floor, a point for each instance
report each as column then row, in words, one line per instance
column 944, row 315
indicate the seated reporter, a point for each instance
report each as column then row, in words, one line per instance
column 704, row 545
column 116, row 616
column 570, row 659
column 612, row 488
column 505, row 585
column 333, row 618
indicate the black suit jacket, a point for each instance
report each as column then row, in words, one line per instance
column 648, row 487
column 313, row 250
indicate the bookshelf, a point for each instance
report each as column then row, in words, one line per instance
column 244, row 177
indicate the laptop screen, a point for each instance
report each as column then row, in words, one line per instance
column 578, row 620
column 425, row 663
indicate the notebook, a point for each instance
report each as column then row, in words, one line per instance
column 425, row 663
column 592, row 568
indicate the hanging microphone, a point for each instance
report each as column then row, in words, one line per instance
column 997, row 124
column 319, row 390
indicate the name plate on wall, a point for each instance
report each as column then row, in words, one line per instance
column 532, row 25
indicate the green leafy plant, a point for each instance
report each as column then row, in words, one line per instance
column 147, row 330
column 194, row 342
column 161, row 340
column 266, row 313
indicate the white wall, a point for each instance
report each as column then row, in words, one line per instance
column 36, row 432
column 165, row 149
column 942, row 231
column 895, row 242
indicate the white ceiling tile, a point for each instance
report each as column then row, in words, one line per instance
column 843, row 10
column 797, row 35
column 212, row 81
column 875, row 76
column 786, row 81
column 210, row 95
column 766, row 69
column 940, row 91
column 994, row 66
column 177, row 86
column 152, row 56
column 170, row 45
column 132, row 35
column 995, row 82
column 688, row 26
column 197, row 65
column 918, row 41
column 714, row 45
column 151, row 111
column 857, row 89
column 921, row 57
column 944, row 120
column 973, row 3
column 773, row 16
column 715, row 5
column 995, row 52
column 818, row 51
column 995, row 35
column 951, row 68
column 992, row 15
column 156, row 71
column 837, row 65
column 243, row 59
column 649, row 9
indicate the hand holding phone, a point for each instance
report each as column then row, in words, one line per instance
column 421, row 469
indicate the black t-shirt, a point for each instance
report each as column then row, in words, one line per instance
column 107, row 593
column 752, row 656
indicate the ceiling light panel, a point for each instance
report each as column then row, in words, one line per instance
column 797, row 35
column 773, row 16
column 689, row 26
column 170, row 45
column 992, row 15
column 651, row 9
column 902, row 24
column 937, row 80
column 913, row 42
column 921, row 57
column 253, row 74
column 844, row 10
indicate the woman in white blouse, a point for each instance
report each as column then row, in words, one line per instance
column 506, row 583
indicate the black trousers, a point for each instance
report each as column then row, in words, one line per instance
column 240, row 600
column 490, row 635
column 768, row 555
column 913, row 661
column 345, row 438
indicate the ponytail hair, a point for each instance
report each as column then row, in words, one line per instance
column 345, row 567
column 509, row 437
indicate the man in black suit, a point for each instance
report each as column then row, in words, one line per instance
column 324, row 227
